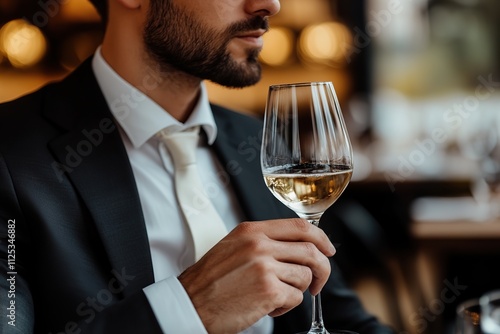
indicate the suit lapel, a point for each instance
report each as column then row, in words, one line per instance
column 238, row 147
column 92, row 156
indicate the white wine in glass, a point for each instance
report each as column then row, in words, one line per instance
column 306, row 154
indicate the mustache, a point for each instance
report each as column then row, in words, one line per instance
column 255, row 23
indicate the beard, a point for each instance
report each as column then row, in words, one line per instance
column 173, row 38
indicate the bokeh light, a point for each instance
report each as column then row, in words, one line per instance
column 325, row 43
column 278, row 46
column 23, row 44
column 79, row 11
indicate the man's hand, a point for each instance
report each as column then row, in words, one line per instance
column 259, row 268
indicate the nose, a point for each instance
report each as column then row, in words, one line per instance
column 263, row 7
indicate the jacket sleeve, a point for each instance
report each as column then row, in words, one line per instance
column 18, row 311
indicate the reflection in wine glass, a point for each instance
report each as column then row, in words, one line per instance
column 490, row 312
column 306, row 154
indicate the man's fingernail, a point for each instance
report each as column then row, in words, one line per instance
column 332, row 248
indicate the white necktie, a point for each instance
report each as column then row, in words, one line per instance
column 205, row 224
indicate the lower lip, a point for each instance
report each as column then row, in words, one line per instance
column 256, row 41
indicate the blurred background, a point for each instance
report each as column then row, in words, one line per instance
column 419, row 84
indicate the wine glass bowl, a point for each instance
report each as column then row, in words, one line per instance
column 306, row 154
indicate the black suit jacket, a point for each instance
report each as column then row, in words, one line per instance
column 70, row 208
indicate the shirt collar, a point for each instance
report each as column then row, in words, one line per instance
column 139, row 116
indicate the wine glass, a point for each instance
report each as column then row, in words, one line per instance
column 468, row 317
column 490, row 312
column 306, row 154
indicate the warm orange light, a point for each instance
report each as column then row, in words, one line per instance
column 79, row 10
column 297, row 14
column 325, row 43
column 278, row 46
column 23, row 44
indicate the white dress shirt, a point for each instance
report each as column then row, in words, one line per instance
column 172, row 251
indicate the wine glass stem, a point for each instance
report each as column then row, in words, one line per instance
column 315, row 222
column 317, row 325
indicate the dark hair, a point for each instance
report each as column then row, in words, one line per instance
column 102, row 8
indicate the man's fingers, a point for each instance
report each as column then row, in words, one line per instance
column 295, row 275
column 292, row 298
column 305, row 254
column 293, row 229
column 296, row 242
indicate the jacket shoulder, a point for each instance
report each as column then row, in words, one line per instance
column 236, row 120
column 19, row 107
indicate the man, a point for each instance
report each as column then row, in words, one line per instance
column 93, row 238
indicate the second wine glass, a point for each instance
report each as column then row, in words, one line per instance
column 490, row 312
column 306, row 154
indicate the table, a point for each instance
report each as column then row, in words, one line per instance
column 456, row 231
column 436, row 242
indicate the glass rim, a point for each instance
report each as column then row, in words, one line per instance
column 466, row 304
column 300, row 84
column 489, row 296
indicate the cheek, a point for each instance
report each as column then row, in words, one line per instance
column 213, row 17
column 222, row 12
column 226, row 8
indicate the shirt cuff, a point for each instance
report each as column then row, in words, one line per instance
column 172, row 307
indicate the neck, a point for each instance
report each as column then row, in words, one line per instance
column 175, row 91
